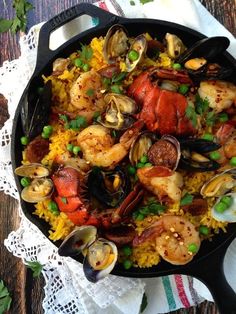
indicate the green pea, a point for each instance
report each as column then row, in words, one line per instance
column 233, row 161
column 220, row 207
column 76, row 150
column 140, row 217
column 133, row 55
column 127, row 264
column 208, row 137
column 148, row 164
column 204, row 230
column 25, row 181
column 24, row 140
column 70, row 147
column 183, row 89
column 78, row 62
column 223, row 117
column 45, row 135
column 140, row 165
column 193, row 248
column 177, row 66
column 144, row 159
column 131, row 170
column 116, row 89
column 215, row 155
column 48, row 129
column 86, row 67
column 227, row 199
column 127, row 250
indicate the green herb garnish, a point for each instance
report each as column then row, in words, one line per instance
column 132, row 2
column 210, row 118
column 144, row 303
column 64, row 200
column 19, row 22
column 76, row 124
column 191, row 115
column 5, row 299
column 201, row 105
column 145, row 1
column 118, row 78
column 86, row 52
column 36, row 268
column 186, row 199
column 90, row 92
column 63, row 117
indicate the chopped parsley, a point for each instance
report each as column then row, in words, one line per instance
column 191, row 115
column 90, row 92
column 201, row 105
column 64, row 200
column 76, row 124
column 36, row 268
column 186, row 199
column 145, row 1
column 85, row 53
column 5, row 299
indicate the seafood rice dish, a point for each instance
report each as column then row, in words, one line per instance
column 130, row 151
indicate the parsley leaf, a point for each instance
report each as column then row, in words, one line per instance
column 64, row 200
column 5, row 299
column 210, row 118
column 201, row 105
column 63, row 117
column 22, row 7
column 118, row 78
column 132, row 2
column 191, row 114
column 144, row 303
column 90, row 92
column 145, row 1
column 86, row 52
column 186, row 199
column 36, row 267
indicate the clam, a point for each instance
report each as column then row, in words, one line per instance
column 140, row 146
column 220, row 184
column 100, row 259
column 38, row 190
column 229, row 214
column 116, row 43
column 118, row 112
column 165, row 152
column 108, row 187
column 175, row 46
column 33, row 170
column 192, row 155
column 77, row 241
column 139, row 45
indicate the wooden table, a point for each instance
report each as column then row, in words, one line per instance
column 27, row 293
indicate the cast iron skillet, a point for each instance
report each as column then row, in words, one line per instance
column 207, row 265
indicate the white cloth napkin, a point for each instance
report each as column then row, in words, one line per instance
column 114, row 295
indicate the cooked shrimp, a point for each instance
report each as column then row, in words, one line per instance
column 175, row 237
column 162, row 182
column 85, row 94
column 221, row 94
column 98, row 146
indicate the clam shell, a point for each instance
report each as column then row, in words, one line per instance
column 78, row 240
column 33, row 170
column 229, row 215
column 139, row 45
column 38, row 190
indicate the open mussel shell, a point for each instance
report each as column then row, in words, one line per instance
column 207, row 48
column 199, row 145
column 228, row 215
column 100, row 259
column 140, row 46
column 38, row 190
column 78, row 240
column 118, row 112
column 219, row 184
column 175, row 46
column 108, row 187
column 116, row 43
column 33, row 170
column 141, row 145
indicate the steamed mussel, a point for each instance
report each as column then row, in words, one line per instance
column 100, row 255
column 108, row 187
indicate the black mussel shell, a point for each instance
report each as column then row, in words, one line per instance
column 35, row 111
column 198, row 145
column 192, row 165
column 210, row 72
column 98, row 189
column 207, row 48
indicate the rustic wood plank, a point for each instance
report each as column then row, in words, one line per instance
column 27, row 293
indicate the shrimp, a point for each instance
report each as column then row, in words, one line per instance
column 173, row 236
column 162, row 182
column 98, row 146
column 221, row 94
column 86, row 95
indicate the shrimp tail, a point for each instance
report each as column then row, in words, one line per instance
column 131, row 134
column 148, row 234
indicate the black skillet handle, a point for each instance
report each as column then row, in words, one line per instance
column 104, row 19
column 211, row 272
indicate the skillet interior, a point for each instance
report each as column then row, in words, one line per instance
column 135, row 27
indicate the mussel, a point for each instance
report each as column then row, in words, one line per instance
column 118, row 112
column 79, row 239
column 141, row 145
column 108, row 187
column 192, row 155
column 33, row 170
column 229, row 214
column 116, row 43
column 38, row 190
column 219, row 184
column 100, row 254
column 139, row 45
column 175, row 46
